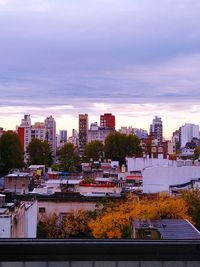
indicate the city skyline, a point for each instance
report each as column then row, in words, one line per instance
column 135, row 59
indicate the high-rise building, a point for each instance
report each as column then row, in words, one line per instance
column 83, row 130
column 156, row 130
column 107, row 120
column 74, row 138
column 38, row 131
column 176, row 139
column 187, row 132
column 62, row 138
column 24, row 133
column 50, row 133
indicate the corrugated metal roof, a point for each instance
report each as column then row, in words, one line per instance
column 177, row 229
column 170, row 228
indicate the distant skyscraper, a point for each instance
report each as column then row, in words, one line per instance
column 63, row 136
column 50, row 133
column 156, row 129
column 74, row 138
column 107, row 120
column 187, row 132
column 83, row 130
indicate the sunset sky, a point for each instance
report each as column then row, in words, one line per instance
column 136, row 59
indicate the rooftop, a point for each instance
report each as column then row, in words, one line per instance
column 170, row 228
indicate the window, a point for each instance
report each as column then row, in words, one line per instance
column 42, row 210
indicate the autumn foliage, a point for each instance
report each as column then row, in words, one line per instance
column 113, row 220
column 115, row 223
column 66, row 226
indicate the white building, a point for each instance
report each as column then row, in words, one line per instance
column 171, row 147
column 97, row 133
column 38, row 131
column 160, row 178
column 187, row 132
column 135, row 131
column 159, row 174
column 18, row 221
column 31, row 219
column 50, row 128
column 139, row 164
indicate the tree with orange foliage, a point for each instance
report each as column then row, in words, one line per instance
column 113, row 220
column 115, row 223
column 70, row 225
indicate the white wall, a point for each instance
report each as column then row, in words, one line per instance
column 138, row 164
column 159, row 178
column 5, row 227
column 31, row 219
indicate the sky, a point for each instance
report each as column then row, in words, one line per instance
column 135, row 59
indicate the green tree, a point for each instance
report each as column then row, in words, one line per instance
column 39, row 152
column 11, row 155
column 118, row 146
column 93, row 150
column 68, row 157
column 133, row 146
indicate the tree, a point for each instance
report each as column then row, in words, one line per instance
column 133, row 146
column 118, row 146
column 39, row 152
column 197, row 152
column 68, row 157
column 72, row 224
column 93, row 150
column 192, row 198
column 115, row 222
column 113, row 219
column 11, row 155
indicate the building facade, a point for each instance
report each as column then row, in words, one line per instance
column 83, row 131
column 38, row 131
column 187, row 133
column 24, row 133
column 62, row 138
column 156, row 130
column 50, row 133
column 107, row 120
column 97, row 133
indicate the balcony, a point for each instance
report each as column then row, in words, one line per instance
column 98, row 253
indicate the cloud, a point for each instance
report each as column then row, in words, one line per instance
column 132, row 58
column 18, row 6
column 4, row 3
